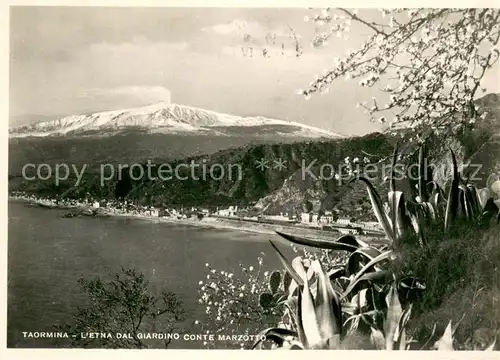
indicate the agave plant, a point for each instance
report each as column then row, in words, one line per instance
column 396, row 335
column 321, row 307
column 409, row 215
column 431, row 205
column 361, row 285
column 446, row 342
column 314, row 308
column 318, row 320
column 367, row 271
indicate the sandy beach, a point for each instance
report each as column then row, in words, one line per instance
column 207, row 222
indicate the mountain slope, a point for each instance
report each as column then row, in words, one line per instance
column 162, row 118
column 253, row 184
column 157, row 132
column 477, row 151
column 277, row 190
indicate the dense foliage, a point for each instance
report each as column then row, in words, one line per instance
column 124, row 305
column 253, row 185
column 366, row 300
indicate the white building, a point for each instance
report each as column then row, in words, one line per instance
column 306, row 217
column 347, row 231
column 173, row 212
column 231, row 211
column 372, row 225
column 326, row 219
column 223, row 212
column 154, row 212
column 344, row 221
column 276, row 217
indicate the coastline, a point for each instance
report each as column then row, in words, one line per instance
column 207, row 222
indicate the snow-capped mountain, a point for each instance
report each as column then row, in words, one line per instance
column 164, row 118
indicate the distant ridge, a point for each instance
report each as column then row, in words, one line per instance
column 161, row 117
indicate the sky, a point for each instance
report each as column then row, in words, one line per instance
column 73, row 60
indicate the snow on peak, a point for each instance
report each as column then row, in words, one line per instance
column 159, row 117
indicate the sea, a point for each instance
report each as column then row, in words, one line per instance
column 48, row 253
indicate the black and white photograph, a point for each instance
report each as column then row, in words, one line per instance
column 253, row 178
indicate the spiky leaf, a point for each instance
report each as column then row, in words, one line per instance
column 346, row 242
column 327, row 306
column 492, row 346
column 361, row 257
column 377, row 339
column 476, row 205
column 490, row 211
column 402, row 340
column 287, row 266
column 422, row 174
column 308, row 316
column 431, row 212
column 298, row 316
column 400, row 220
column 287, row 279
column 291, row 304
column 418, row 228
column 452, row 205
column 394, row 313
column 378, row 208
column 446, row 341
column 392, row 178
column 380, row 258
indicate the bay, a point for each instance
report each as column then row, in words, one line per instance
column 47, row 254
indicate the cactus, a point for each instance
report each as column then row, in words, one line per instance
column 275, row 282
column 278, row 290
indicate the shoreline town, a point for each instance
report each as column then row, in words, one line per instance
column 227, row 218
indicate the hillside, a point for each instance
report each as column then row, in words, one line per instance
column 253, row 184
column 157, row 132
column 287, row 189
column 476, row 149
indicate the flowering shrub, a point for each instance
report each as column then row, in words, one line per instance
column 233, row 300
column 428, row 63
